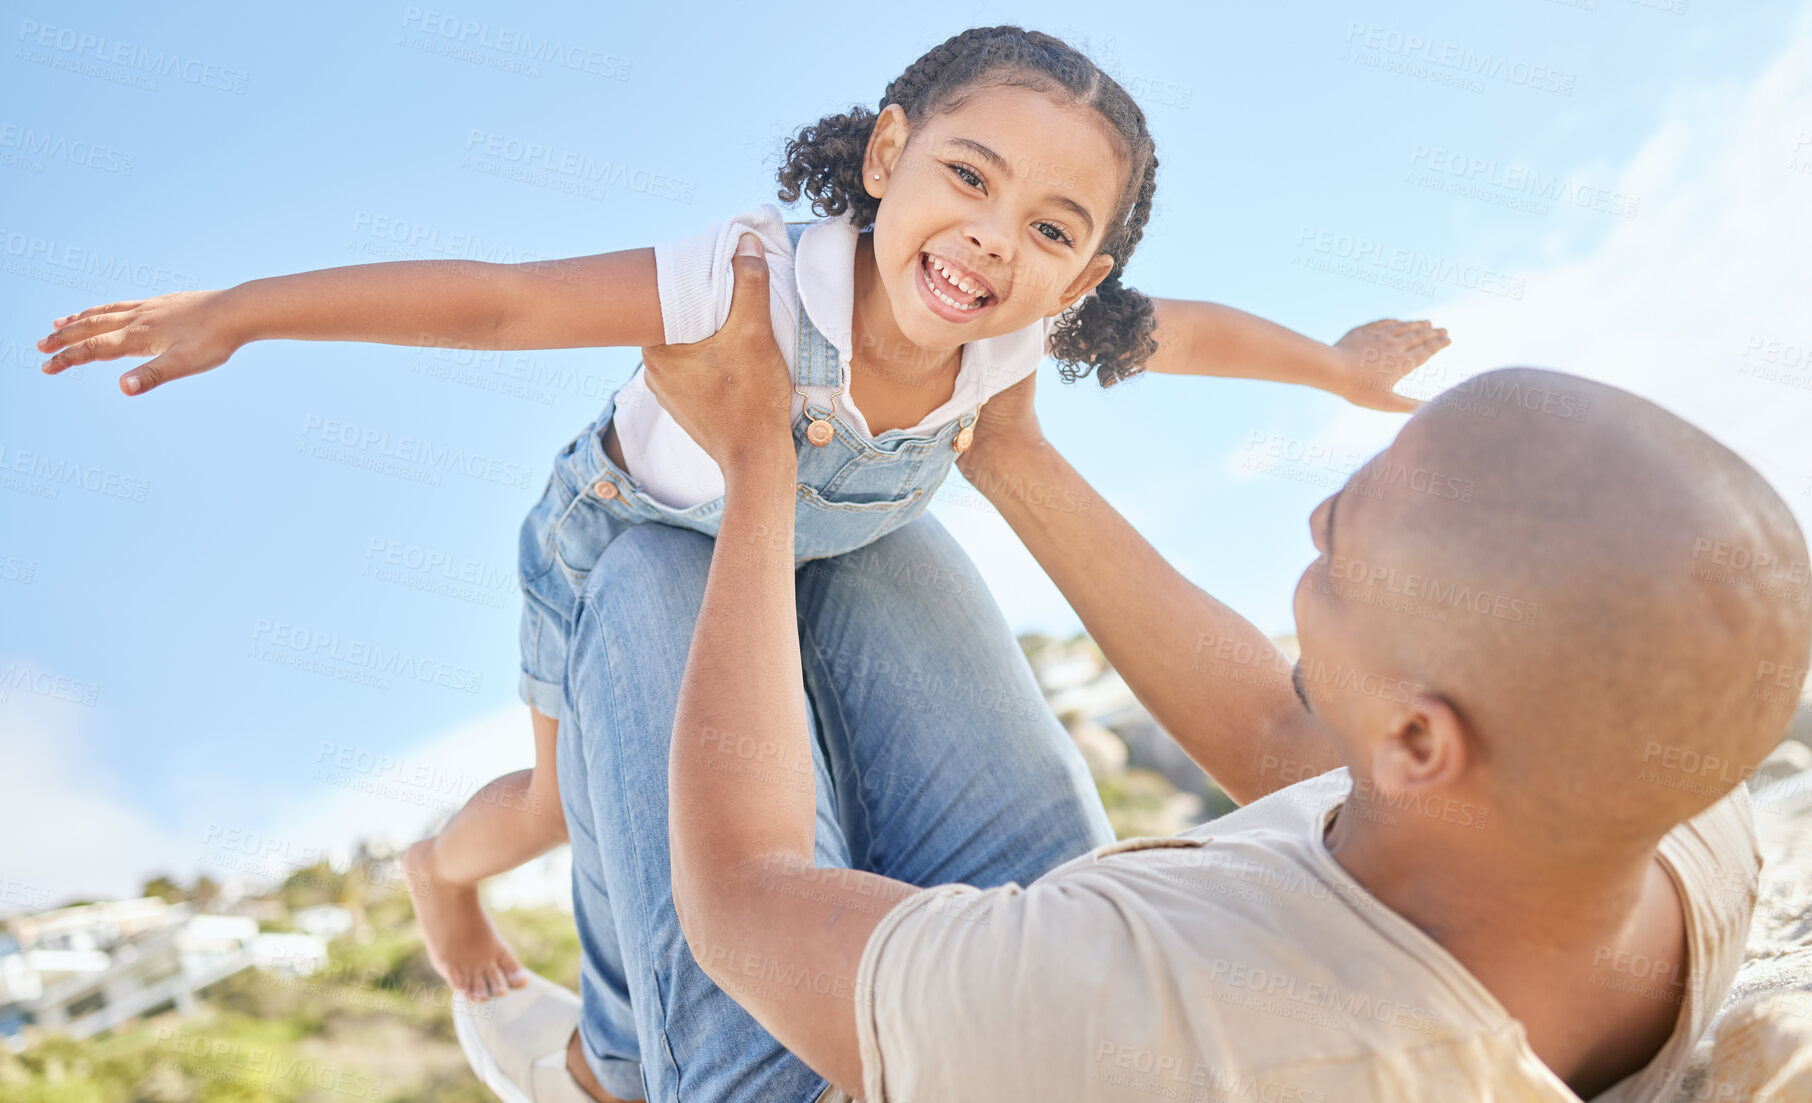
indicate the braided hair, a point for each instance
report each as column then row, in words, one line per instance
column 1109, row 330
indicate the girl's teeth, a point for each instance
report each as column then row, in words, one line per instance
column 967, row 287
column 957, row 281
column 935, row 290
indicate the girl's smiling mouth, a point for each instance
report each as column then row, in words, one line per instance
column 952, row 292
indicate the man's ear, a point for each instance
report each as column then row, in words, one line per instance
column 1427, row 746
column 1092, row 274
column 885, row 145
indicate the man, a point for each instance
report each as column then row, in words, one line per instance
column 1544, row 641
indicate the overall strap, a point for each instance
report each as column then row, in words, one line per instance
column 816, row 364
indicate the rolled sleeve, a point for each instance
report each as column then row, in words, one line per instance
column 696, row 281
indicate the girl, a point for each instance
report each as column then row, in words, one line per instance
column 981, row 218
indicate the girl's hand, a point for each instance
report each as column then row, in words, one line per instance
column 1373, row 357
column 1008, row 423
column 730, row 392
column 187, row 331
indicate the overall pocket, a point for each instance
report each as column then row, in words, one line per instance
column 534, row 540
column 587, row 528
column 826, row 526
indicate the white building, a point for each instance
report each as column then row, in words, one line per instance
column 84, row 969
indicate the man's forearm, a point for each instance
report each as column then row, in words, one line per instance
column 1206, row 674
column 740, row 775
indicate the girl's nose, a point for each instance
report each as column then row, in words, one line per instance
column 992, row 251
column 985, row 242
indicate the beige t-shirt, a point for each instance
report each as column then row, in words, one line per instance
column 1239, row 962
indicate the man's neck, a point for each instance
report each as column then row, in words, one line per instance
column 1541, row 934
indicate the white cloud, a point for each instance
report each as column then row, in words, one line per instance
column 1683, row 304
column 71, row 830
column 1714, row 266
column 400, row 796
column 68, row 831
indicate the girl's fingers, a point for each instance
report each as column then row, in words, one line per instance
column 1386, row 397
column 153, row 372
column 1409, row 327
column 82, row 327
column 104, row 346
column 110, row 308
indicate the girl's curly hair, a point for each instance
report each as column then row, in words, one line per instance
column 1110, row 330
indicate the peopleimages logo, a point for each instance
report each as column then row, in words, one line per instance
column 375, row 448
column 1461, row 61
column 1276, row 985
column 1422, row 587
column 82, row 50
column 1407, row 263
column 355, row 660
column 1471, row 176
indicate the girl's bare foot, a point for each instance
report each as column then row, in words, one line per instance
column 462, row 945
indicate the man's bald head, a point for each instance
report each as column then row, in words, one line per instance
column 1615, row 605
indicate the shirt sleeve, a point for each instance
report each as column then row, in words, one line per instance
column 695, row 280
column 951, row 969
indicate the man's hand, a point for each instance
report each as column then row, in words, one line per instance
column 730, row 392
column 1007, row 424
column 1375, row 356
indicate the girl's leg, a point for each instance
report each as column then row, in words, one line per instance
column 949, row 765
column 511, row 820
column 651, row 1021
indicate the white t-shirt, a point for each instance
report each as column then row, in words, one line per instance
column 1239, row 961
column 696, row 282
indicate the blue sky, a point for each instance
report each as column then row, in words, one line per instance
column 140, row 726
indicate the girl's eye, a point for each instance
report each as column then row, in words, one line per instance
column 973, row 179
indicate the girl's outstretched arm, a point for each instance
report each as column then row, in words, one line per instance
column 580, row 302
column 1363, row 367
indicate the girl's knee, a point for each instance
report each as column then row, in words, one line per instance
column 652, row 569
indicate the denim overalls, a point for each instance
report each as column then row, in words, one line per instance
column 850, row 492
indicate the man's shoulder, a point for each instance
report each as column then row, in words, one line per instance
column 1257, row 877
column 1716, row 859
column 1232, row 956
column 1717, row 851
column 1298, row 804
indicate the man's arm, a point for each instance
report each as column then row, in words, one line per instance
column 740, row 777
column 1363, row 367
column 1207, row 675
